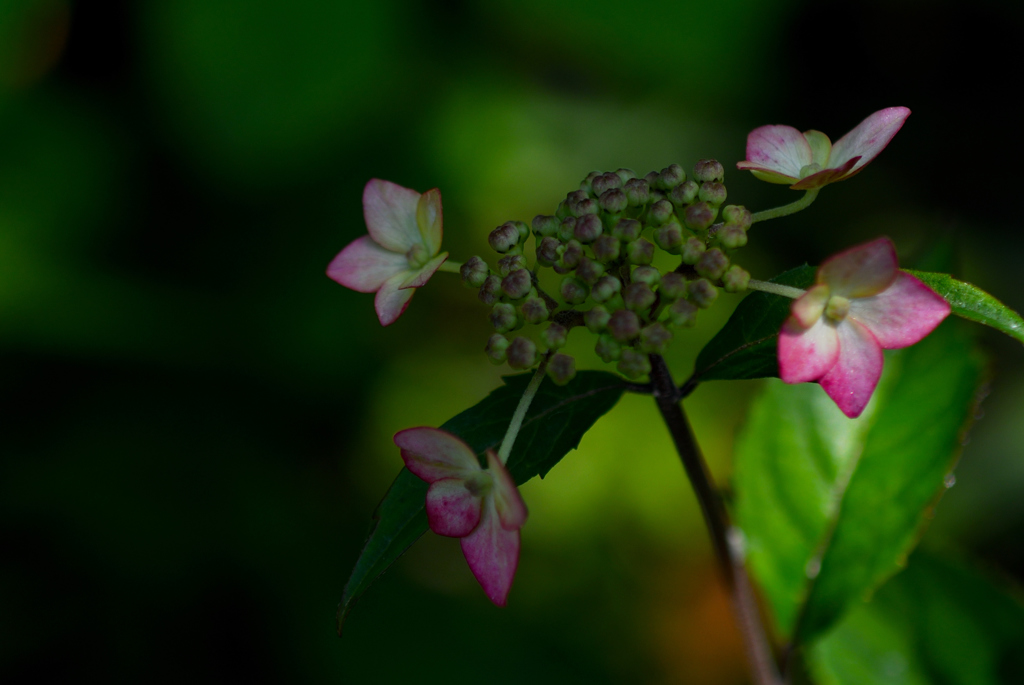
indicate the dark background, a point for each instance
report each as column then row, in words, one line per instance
column 195, row 422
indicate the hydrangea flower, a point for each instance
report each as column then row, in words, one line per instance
column 781, row 154
column 481, row 506
column 861, row 303
column 401, row 252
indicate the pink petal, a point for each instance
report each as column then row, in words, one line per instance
column 507, row 501
column 428, row 220
column 809, row 307
column 492, row 554
column 434, row 454
column 364, row 265
column 868, row 138
column 902, row 314
column 392, row 299
column 807, row 354
column 390, row 213
column 855, row 374
column 861, row 271
column 452, row 510
column 419, row 278
column 824, row 177
column 777, row 149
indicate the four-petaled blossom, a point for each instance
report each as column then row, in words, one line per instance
column 861, row 303
column 781, row 154
column 401, row 252
column 481, row 506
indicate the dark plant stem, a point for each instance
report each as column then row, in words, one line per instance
column 730, row 559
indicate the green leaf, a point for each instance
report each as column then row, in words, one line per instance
column 831, row 506
column 554, row 424
column 936, row 622
column 973, row 303
column 746, row 345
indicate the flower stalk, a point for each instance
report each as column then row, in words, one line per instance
column 785, row 210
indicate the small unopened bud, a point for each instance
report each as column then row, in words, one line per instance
column 683, row 194
column 517, row 284
column 588, row 227
column 554, row 336
column 510, row 263
column 692, row 250
column 637, row 191
column 682, row 313
column 652, row 178
column 627, row 230
column 585, row 207
column 655, row 338
column 624, row 325
column 589, row 271
column 496, row 347
column 699, row 216
column 670, row 177
column 524, row 230
column 712, row 192
column 597, row 319
column 669, row 237
column 605, row 182
column 625, row 175
column 544, row 225
column 606, row 288
column 573, row 290
column 547, row 251
column 563, row 210
column 702, row 292
column 561, row 369
column 735, row 279
column 606, row 248
column 732, row 236
column 571, row 256
column 504, row 237
column 474, row 272
column 576, row 197
column 586, row 184
column 672, row 286
column 659, row 212
column 640, row 252
column 646, row 274
column 633, row 364
column 522, row 353
column 736, row 214
column 612, row 201
column 638, row 296
column 712, row 264
column 490, row 291
column 567, row 229
column 504, row 317
column 708, row 170
column 535, row 310
column 608, row 348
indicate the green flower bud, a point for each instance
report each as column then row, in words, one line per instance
column 608, row 348
column 573, row 290
column 606, row 248
column 586, row 207
column 548, row 251
column 588, row 228
column 517, row 284
column 554, row 336
column 646, row 274
column 683, row 194
column 535, row 310
column 731, row 236
column 544, row 225
column 612, row 201
column 708, row 170
column 606, row 288
column 567, row 229
column 625, row 175
column 712, row 264
column 669, row 237
column 504, row 237
column 702, row 292
column 524, row 230
column 638, row 296
column 670, row 177
column 735, row 279
column 659, row 212
column 510, row 263
column 637, row 191
column 692, row 250
column 563, row 210
column 682, row 313
column 589, row 271
column 561, row 368
column 712, row 192
column 571, row 256
column 597, row 319
column 652, row 179
column 640, row 252
column 699, row 216
column 627, row 230
column 490, row 291
column 624, row 325
column 655, row 338
column 504, row 317
column 633, row 364
column 474, row 272
column 497, row 345
column 586, row 184
column 605, row 182
column 575, row 197
column 522, row 353
column 738, row 215
column 672, row 286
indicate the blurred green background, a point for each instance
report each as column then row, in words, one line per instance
column 196, row 422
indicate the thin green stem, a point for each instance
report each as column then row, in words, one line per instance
column 785, row 210
column 450, row 266
column 524, row 403
column 775, row 288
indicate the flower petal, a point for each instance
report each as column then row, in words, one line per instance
column 780, row 150
column 855, row 374
column 764, row 173
column 868, row 138
column 390, row 213
column 419, row 278
column 434, row 454
column 807, row 354
column 429, row 220
column 902, row 314
column 364, row 265
column 809, row 307
column 509, row 503
column 492, row 554
column 824, row 177
column 861, row 271
column 392, row 299
column 452, row 510
column 821, row 147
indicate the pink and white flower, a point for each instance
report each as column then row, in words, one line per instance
column 861, row 303
column 481, row 506
column 401, row 252
column 781, row 154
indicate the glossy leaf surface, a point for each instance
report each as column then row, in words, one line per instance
column 973, row 303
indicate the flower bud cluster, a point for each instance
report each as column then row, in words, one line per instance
column 602, row 241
